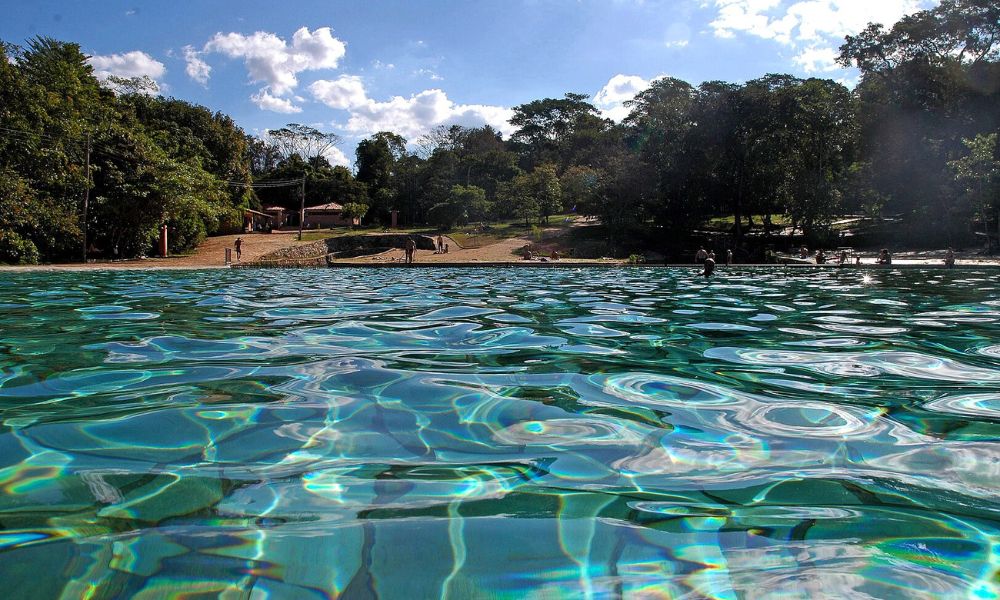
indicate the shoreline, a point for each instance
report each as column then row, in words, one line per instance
column 157, row 265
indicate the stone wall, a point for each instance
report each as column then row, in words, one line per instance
column 315, row 253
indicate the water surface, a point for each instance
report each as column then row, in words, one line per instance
column 497, row 433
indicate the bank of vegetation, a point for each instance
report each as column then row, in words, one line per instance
column 915, row 141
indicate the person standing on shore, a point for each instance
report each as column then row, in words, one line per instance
column 411, row 248
column 949, row 259
column 729, row 257
column 239, row 247
column 440, row 248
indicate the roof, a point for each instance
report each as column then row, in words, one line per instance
column 273, row 208
column 331, row 207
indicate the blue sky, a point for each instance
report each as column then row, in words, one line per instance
column 358, row 67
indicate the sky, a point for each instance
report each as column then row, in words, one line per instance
column 358, row 67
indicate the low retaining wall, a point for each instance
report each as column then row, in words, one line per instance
column 319, row 253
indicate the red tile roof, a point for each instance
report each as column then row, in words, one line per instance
column 332, row 206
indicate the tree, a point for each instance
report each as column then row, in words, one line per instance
column 978, row 172
column 303, row 140
column 928, row 82
column 355, row 210
column 545, row 187
column 517, row 199
column 966, row 31
column 545, row 128
column 461, row 204
column 376, row 160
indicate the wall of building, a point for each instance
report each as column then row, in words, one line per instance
column 318, row 220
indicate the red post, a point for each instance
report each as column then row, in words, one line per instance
column 163, row 240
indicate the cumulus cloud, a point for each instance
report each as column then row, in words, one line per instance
column 265, row 101
column 817, row 59
column 272, row 61
column 130, row 64
column 619, row 89
column 414, row 116
column 336, row 156
column 410, row 117
column 196, row 68
column 814, row 27
column 342, row 93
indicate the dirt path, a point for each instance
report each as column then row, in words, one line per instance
column 212, row 252
column 499, row 252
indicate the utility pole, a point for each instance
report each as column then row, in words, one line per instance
column 302, row 205
column 86, row 201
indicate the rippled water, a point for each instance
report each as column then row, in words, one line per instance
column 500, row 433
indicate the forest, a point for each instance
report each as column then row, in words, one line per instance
column 93, row 169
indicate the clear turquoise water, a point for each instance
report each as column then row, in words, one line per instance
column 500, row 433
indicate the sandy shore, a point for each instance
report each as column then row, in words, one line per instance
column 211, row 255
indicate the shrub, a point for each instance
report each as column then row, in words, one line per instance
column 16, row 250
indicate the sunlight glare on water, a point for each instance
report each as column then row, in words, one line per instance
column 520, row 433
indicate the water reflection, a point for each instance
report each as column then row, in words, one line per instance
column 509, row 433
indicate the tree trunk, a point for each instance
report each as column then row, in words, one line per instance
column 738, row 208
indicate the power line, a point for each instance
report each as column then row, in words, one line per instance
column 26, row 133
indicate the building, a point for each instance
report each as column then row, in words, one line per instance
column 279, row 216
column 256, row 221
column 327, row 215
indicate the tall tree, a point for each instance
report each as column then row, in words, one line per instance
column 545, row 128
column 376, row 160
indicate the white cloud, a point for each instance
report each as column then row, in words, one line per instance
column 814, row 27
column 265, row 101
column 817, row 59
column 618, row 90
column 269, row 59
column 130, row 64
column 414, row 116
column 196, row 68
column 429, row 74
column 344, row 92
column 410, row 117
column 336, row 156
column 678, row 35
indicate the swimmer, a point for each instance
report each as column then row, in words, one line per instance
column 709, row 267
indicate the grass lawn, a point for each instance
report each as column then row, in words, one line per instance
column 468, row 236
column 726, row 223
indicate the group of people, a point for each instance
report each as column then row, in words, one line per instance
column 884, row 257
column 707, row 259
column 529, row 255
column 442, row 248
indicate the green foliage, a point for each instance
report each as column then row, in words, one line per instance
column 153, row 160
column 15, row 250
column 463, row 203
column 518, row 200
column 978, row 173
column 376, row 160
column 355, row 210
